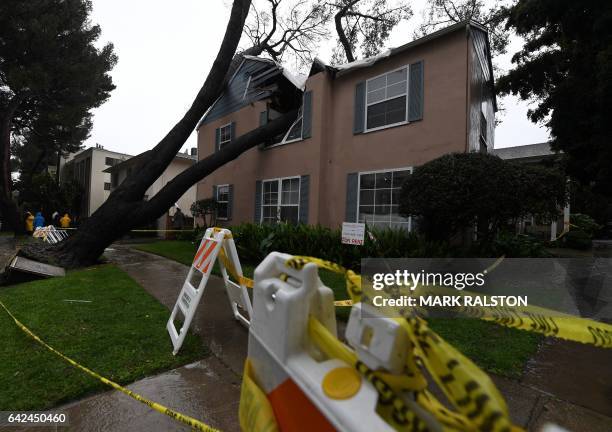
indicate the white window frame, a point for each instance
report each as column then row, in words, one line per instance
column 279, row 203
column 222, row 143
column 217, row 199
column 359, row 174
column 366, row 104
column 285, row 140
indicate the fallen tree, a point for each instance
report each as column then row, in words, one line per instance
column 126, row 208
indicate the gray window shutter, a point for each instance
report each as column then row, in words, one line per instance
column 214, row 195
column 307, row 115
column 415, row 92
column 304, row 192
column 257, row 213
column 217, row 139
column 359, row 107
column 352, row 184
column 232, row 131
column 230, row 201
column 263, row 118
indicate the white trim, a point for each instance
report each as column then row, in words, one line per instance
column 360, row 173
column 366, row 104
column 246, row 89
column 217, row 198
column 230, row 134
column 279, row 181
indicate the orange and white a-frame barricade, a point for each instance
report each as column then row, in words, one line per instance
column 285, row 387
column 216, row 243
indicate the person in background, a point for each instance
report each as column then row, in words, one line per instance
column 65, row 221
column 39, row 220
column 29, row 223
column 55, row 218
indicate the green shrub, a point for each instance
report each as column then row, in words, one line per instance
column 459, row 191
column 584, row 223
column 577, row 239
column 254, row 242
column 515, row 246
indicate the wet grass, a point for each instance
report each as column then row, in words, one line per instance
column 500, row 350
column 119, row 333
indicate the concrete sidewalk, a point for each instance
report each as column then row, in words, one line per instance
column 209, row 389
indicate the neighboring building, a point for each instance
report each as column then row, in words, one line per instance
column 87, row 168
column 362, row 128
column 533, row 154
column 119, row 172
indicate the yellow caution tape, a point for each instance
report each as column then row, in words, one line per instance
column 530, row 318
column 255, row 412
column 189, row 421
column 478, row 404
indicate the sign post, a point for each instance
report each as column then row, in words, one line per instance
column 353, row 233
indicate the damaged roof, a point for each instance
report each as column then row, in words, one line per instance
column 255, row 79
column 248, row 84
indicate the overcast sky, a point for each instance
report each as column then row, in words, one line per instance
column 165, row 50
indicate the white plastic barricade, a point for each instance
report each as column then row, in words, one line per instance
column 216, row 243
column 287, row 367
column 50, row 234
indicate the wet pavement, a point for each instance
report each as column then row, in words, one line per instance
column 567, row 384
column 208, row 390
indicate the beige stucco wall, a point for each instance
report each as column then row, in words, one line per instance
column 333, row 151
column 177, row 166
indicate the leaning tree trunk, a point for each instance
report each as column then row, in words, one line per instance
column 125, row 208
column 117, row 216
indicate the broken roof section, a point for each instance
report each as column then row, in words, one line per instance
column 256, row 78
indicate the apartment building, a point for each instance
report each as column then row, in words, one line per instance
column 87, row 167
column 180, row 163
column 361, row 130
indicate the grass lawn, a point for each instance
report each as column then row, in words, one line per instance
column 497, row 349
column 120, row 334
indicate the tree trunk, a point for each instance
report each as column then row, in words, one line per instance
column 8, row 208
column 125, row 208
column 116, row 216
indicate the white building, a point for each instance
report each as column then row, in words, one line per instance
column 88, row 167
column 180, row 163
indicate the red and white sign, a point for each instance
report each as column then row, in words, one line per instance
column 204, row 257
column 353, row 233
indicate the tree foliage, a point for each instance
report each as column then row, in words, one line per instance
column 442, row 13
column 459, row 191
column 565, row 68
column 43, row 193
column 51, row 76
column 278, row 28
column 364, row 26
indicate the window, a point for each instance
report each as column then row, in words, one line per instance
column 222, row 201
column 107, row 186
column 111, row 161
column 280, row 200
column 386, row 99
column 293, row 134
column 379, row 198
column 225, row 135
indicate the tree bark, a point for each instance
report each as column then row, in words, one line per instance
column 8, row 208
column 348, row 51
column 110, row 222
column 125, row 208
